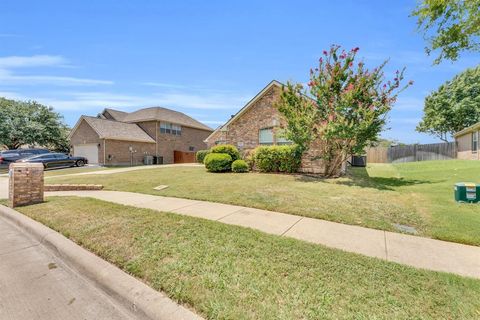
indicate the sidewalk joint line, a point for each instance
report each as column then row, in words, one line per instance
column 188, row 205
column 293, row 225
column 21, row 249
column 230, row 214
column 385, row 239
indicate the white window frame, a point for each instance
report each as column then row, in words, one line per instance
column 266, row 142
column 474, row 142
column 170, row 128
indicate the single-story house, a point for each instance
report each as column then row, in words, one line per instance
column 124, row 138
column 260, row 123
column 467, row 142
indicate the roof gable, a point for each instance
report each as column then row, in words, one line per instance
column 251, row 103
column 114, row 130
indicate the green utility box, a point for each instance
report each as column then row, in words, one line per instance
column 467, row 192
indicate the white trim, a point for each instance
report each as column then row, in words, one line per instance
column 128, row 139
column 467, row 130
column 247, row 106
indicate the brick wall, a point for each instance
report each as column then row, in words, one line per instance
column 117, row 152
column 85, row 135
column 244, row 131
column 25, row 184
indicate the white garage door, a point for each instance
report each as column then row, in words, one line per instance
column 89, row 151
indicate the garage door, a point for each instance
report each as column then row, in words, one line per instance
column 89, row 151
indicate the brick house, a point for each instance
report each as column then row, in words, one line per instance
column 121, row 138
column 260, row 123
column 467, row 143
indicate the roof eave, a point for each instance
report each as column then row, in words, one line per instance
column 467, row 130
column 127, row 139
column 247, row 106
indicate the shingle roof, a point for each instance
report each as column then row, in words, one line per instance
column 163, row 114
column 115, row 130
column 116, row 114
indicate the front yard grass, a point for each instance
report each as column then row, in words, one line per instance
column 419, row 195
column 230, row 272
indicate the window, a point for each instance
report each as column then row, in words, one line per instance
column 169, row 128
column 265, row 136
column 474, row 141
column 281, row 139
column 176, row 130
column 191, row 148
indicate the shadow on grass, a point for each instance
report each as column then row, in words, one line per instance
column 359, row 177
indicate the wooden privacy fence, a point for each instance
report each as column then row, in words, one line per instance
column 410, row 153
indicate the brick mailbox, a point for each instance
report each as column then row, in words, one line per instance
column 25, row 184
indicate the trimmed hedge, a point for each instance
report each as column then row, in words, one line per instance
column 277, row 159
column 201, row 154
column 218, row 162
column 227, row 148
column 239, row 166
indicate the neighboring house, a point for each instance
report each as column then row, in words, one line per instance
column 260, row 123
column 467, row 142
column 121, row 138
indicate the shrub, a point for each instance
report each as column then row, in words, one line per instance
column 239, row 166
column 277, row 159
column 218, row 162
column 201, row 154
column 227, row 148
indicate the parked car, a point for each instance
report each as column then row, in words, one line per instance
column 56, row 160
column 9, row 156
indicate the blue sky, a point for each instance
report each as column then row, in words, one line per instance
column 204, row 58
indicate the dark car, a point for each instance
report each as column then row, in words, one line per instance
column 56, row 160
column 9, row 156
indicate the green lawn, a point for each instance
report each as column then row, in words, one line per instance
column 64, row 171
column 230, row 272
column 418, row 195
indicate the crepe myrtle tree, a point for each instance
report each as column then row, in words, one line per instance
column 345, row 107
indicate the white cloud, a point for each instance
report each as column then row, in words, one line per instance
column 409, row 103
column 163, row 85
column 11, row 62
column 212, row 122
column 207, row 101
column 96, row 100
column 407, row 120
column 8, row 77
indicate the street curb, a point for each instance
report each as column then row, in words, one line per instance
column 141, row 300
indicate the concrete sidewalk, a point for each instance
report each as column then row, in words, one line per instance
column 405, row 249
column 34, row 284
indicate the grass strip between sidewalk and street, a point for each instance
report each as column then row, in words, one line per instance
column 229, row 272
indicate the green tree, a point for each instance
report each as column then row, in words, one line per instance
column 30, row 123
column 453, row 107
column 345, row 107
column 451, row 26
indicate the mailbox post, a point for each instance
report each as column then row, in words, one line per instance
column 25, row 184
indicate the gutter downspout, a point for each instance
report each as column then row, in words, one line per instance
column 156, row 138
column 104, row 151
